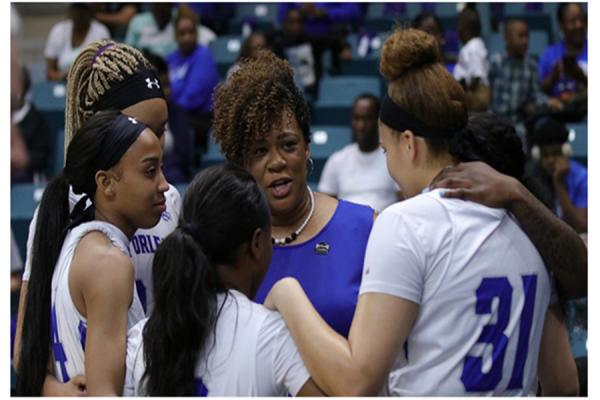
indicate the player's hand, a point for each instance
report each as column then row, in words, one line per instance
column 478, row 182
column 560, row 171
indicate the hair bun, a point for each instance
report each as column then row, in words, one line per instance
column 407, row 49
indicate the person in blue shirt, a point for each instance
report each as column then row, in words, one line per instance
column 565, row 178
column 563, row 66
column 193, row 74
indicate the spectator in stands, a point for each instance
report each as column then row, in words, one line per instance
column 215, row 16
column 472, row 67
column 327, row 25
column 358, row 172
column 563, row 66
column 293, row 44
column 430, row 23
column 34, row 132
column 565, row 179
column 153, row 30
column 193, row 75
column 250, row 47
column 516, row 92
column 68, row 37
column 116, row 16
column 179, row 139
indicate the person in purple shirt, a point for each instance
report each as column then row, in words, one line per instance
column 563, row 66
column 193, row 74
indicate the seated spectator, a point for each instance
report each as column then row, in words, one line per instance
column 179, row 136
column 153, row 30
column 564, row 179
column 250, row 48
column 293, row 44
column 68, row 37
column 33, row 133
column 430, row 23
column 472, row 67
column 358, row 172
column 193, row 75
column 516, row 92
column 116, row 16
column 326, row 24
column 215, row 16
column 563, row 66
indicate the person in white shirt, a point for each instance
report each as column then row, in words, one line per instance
column 124, row 80
column 472, row 67
column 205, row 336
column 454, row 296
column 82, row 300
column 67, row 38
column 357, row 173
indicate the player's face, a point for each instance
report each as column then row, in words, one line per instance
column 153, row 113
column 278, row 163
column 140, row 184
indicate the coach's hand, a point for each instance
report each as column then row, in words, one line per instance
column 476, row 181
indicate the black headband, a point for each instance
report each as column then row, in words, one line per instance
column 124, row 131
column 396, row 118
column 141, row 85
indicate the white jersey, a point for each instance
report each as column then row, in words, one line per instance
column 68, row 327
column 358, row 177
column 253, row 354
column 482, row 291
column 142, row 246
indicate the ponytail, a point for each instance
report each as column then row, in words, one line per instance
column 186, row 284
column 50, row 232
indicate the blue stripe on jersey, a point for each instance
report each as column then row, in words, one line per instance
column 201, row 390
column 141, row 291
column 82, row 328
column 57, row 349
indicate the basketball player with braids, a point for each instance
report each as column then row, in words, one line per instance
column 106, row 75
column 444, row 280
column 82, row 299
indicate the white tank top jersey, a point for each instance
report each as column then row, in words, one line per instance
column 68, row 327
column 141, row 248
column 253, row 355
column 482, row 291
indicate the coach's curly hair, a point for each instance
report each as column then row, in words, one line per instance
column 252, row 101
column 97, row 67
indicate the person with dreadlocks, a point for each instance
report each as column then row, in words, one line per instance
column 82, row 298
column 107, row 75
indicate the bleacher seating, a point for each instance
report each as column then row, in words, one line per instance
column 225, row 50
column 336, row 95
column 366, row 50
column 24, row 198
column 261, row 16
column 325, row 140
column 579, row 141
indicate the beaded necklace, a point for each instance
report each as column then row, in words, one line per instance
column 294, row 235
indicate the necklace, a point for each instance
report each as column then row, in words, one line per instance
column 294, row 235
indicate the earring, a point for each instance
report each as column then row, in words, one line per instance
column 311, row 166
column 535, row 153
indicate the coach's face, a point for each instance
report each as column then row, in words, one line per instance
column 278, row 163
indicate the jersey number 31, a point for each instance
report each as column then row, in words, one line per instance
column 473, row 377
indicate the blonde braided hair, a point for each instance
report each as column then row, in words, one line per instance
column 96, row 68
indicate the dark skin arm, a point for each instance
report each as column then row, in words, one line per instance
column 562, row 250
